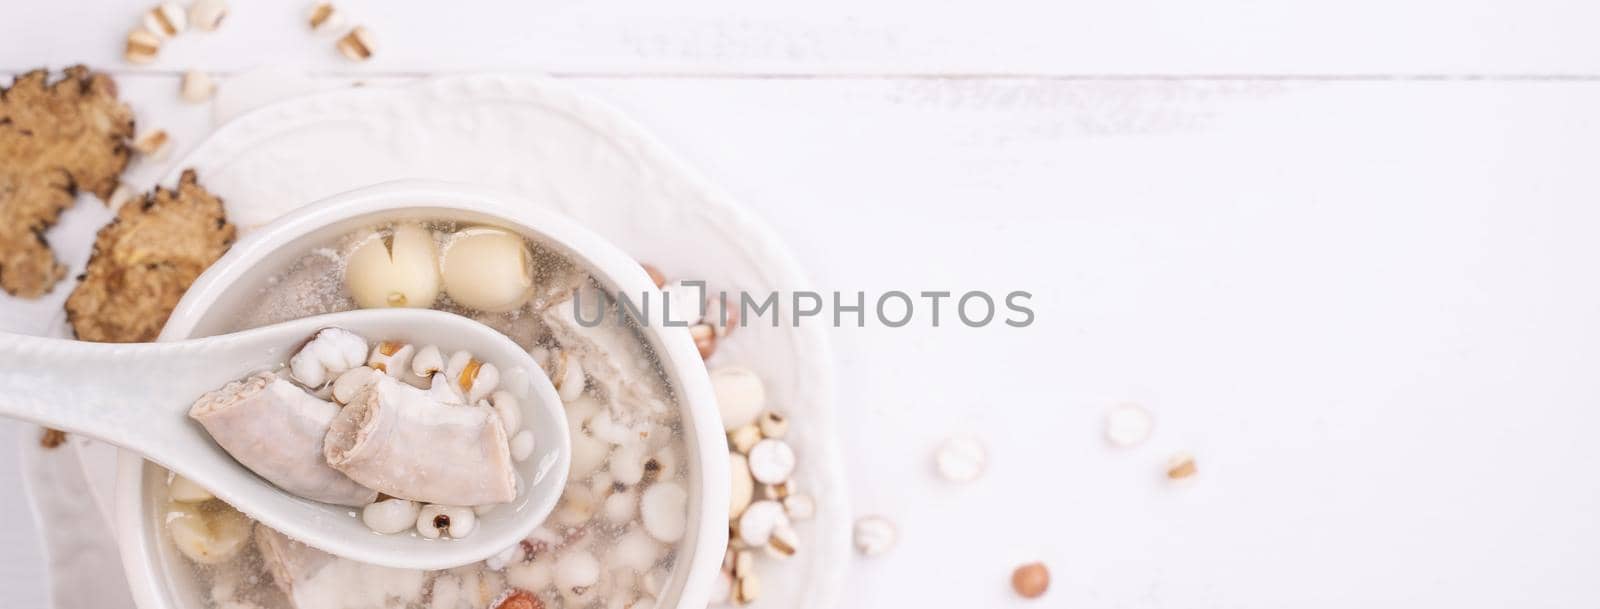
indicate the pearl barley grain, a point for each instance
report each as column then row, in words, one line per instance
column 620, row 508
column 390, row 515
column 874, row 535
column 772, row 462
column 152, row 144
column 747, row 589
column 462, row 521
column 961, row 459
column 636, row 551
column 509, row 408
column 577, row 569
column 1128, row 425
column 498, row 562
column 756, row 524
column 207, row 15
column 121, row 196
column 427, row 361
column 742, row 490
column 142, row 47
column 785, row 542
column 744, row 438
column 166, row 20
column 196, row 87
column 434, row 521
column 799, row 507
column 324, row 18
column 772, row 424
column 571, row 381
column 391, row 358
column 522, row 445
column 357, row 45
column 1181, row 466
column 740, row 396
column 662, row 511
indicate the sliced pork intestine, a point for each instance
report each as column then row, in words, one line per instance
column 612, row 355
column 398, row 440
column 313, row 579
column 276, row 429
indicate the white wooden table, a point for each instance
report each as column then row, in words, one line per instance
column 1345, row 251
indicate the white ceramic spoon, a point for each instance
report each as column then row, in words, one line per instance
column 137, row 396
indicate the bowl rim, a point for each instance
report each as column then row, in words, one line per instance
column 685, row 369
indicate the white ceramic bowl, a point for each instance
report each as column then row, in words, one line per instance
column 161, row 578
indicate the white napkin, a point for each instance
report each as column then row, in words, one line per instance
column 84, row 566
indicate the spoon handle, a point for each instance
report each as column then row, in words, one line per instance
column 133, row 395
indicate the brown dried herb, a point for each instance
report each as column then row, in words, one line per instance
column 145, row 259
column 56, row 138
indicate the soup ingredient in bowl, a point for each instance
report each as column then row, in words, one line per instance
column 520, row 600
column 664, row 509
column 183, row 490
column 627, row 435
column 394, row 269
column 391, row 358
column 328, row 354
column 610, row 355
column 207, row 533
column 588, row 452
column 312, row 579
column 446, row 520
column 427, row 361
column 390, row 515
column 509, row 408
column 352, row 382
column 564, row 370
column 413, row 446
column 395, row 439
column 276, row 429
column 474, row 380
column 488, row 269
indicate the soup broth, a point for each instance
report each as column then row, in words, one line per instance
column 613, row 539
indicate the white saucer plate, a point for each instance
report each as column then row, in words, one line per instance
column 563, row 151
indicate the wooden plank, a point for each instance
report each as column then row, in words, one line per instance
column 1013, row 37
